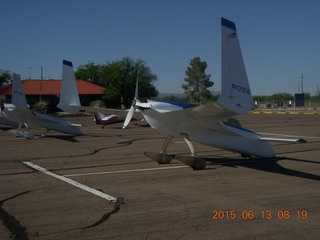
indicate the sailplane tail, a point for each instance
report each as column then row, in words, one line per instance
column 18, row 96
column 236, row 94
column 69, row 97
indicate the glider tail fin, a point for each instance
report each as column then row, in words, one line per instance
column 18, row 96
column 69, row 96
column 236, row 94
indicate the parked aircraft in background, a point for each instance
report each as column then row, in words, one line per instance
column 20, row 113
column 70, row 101
column 107, row 119
column 3, row 119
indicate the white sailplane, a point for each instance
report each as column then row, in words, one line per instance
column 211, row 124
column 19, row 112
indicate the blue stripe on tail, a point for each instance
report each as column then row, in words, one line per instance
column 228, row 23
column 65, row 62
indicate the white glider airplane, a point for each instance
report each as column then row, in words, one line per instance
column 211, row 124
column 23, row 116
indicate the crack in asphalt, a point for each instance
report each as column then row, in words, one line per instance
column 17, row 231
column 92, row 152
column 106, row 216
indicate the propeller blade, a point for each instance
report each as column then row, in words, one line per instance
column 128, row 117
column 136, row 92
column 132, row 109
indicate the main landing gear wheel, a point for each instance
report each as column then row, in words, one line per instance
column 160, row 158
column 197, row 163
column 246, row 156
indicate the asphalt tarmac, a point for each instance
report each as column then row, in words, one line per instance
column 101, row 186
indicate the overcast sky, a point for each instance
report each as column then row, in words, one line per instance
column 280, row 39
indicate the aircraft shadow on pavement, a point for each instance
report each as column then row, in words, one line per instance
column 266, row 165
column 69, row 138
column 120, row 127
column 5, row 129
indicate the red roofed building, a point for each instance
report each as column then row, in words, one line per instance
column 49, row 91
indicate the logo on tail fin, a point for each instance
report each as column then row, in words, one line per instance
column 232, row 35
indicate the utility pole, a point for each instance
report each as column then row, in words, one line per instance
column 30, row 71
column 302, row 77
column 41, row 83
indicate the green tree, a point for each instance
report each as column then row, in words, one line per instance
column 174, row 98
column 197, row 81
column 214, row 98
column 307, row 96
column 5, row 77
column 119, row 78
column 261, row 98
column 284, row 96
column 89, row 72
column 317, row 94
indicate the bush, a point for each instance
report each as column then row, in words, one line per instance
column 98, row 103
column 40, row 106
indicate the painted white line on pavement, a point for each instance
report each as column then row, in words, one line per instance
column 125, row 171
column 72, row 182
column 164, row 168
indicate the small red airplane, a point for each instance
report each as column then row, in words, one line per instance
column 107, row 119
